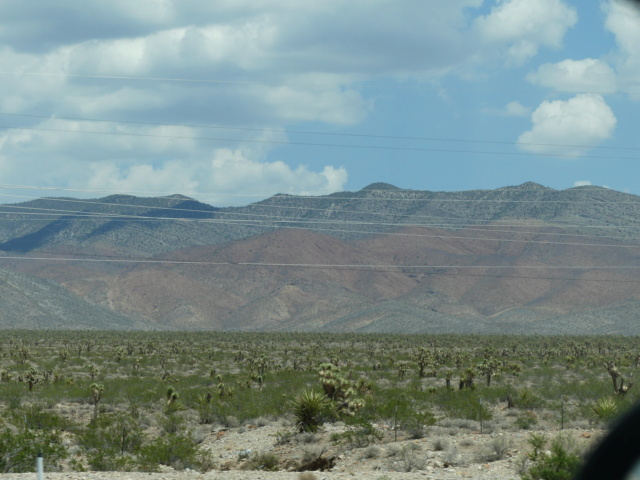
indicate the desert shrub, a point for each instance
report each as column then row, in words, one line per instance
column 440, row 444
column 371, row 452
column 310, row 453
column 18, row 450
column 361, row 433
column 497, row 449
column 111, row 442
column 283, row 437
column 410, row 460
column 463, row 404
column 526, row 420
column 528, row 399
column 35, row 417
column 416, row 425
column 267, row 461
column 562, row 461
column 306, row 437
column 178, row 451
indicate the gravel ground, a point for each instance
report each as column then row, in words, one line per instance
column 441, row 455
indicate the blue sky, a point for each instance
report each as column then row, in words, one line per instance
column 423, row 94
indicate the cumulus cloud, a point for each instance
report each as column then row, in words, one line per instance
column 581, row 121
column 523, row 26
column 623, row 20
column 589, row 74
column 159, row 159
column 229, row 62
column 231, row 174
column 582, row 183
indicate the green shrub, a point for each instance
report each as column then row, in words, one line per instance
column 111, row 442
column 35, row 417
column 18, row 450
column 176, row 451
column 416, row 425
column 526, row 420
column 562, row 462
column 361, row 433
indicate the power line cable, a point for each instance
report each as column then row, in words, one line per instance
column 328, row 266
column 269, row 221
column 258, row 193
column 310, row 144
column 284, row 225
column 310, row 132
column 281, row 83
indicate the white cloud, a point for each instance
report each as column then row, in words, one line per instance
column 158, row 159
column 523, row 26
column 582, row 183
column 230, row 173
column 623, row 20
column 581, row 121
column 587, row 75
column 511, row 109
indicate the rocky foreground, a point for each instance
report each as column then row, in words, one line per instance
column 446, row 453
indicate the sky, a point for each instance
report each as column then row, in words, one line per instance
column 231, row 101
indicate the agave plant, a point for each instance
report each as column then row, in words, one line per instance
column 309, row 408
column 605, row 408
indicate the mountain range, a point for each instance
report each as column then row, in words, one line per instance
column 521, row 259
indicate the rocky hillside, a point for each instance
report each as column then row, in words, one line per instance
column 515, row 259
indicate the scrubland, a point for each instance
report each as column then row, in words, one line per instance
column 348, row 403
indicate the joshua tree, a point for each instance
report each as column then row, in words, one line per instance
column 31, row 378
column 96, row 396
column 424, row 359
column 619, row 388
column 489, row 367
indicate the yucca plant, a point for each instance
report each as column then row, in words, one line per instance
column 605, row 408
column 309, row 408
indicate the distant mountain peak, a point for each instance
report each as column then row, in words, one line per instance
column 177, row 196
column 532, row 186
column 381, row 186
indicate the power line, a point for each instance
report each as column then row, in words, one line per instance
column 268, row 221
column 273, row 221
column 281, row 83
column 258, row 192
column 434, row 197
column 310, row 144
column 283, row 224
column 329, row 266
column 310, row 132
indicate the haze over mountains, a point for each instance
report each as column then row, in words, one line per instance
column 524, row 259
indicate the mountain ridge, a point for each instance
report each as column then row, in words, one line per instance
column 379, row 259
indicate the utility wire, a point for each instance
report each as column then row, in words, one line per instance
column 281, row 83
column 357, row 197
column 259, row 193
column 310, row 132
column 329, row 266
column 310, row 144
column 269, row 220
column 285, row 225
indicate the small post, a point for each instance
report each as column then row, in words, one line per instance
column 39, row 467
column 562, row 412
column 395, row 423
column 481, row 415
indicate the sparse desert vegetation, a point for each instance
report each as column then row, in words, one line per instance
column 147, row 401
